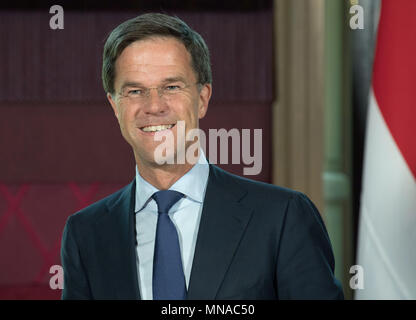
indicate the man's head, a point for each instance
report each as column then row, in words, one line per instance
column 156, row 71
column 154, row 25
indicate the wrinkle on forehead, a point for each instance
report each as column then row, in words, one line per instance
column 155, row 58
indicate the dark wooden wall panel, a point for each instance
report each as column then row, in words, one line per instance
column 40, row 64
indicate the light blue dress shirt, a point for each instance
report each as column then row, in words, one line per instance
column 185, row 214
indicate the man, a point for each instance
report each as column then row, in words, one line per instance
column 182, row 230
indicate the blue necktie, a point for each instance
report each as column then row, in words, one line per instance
column 168, row 276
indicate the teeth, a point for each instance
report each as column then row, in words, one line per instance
column 157, row 128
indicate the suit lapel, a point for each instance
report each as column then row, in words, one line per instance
column 223, row 222
column 116, row 232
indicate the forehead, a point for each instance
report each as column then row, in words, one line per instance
column 153, row 59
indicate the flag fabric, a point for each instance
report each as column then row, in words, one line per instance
column 387, row 227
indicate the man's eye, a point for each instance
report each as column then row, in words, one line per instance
column 172, row 88
column 134, row 92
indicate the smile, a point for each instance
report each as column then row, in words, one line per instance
column 157, row 128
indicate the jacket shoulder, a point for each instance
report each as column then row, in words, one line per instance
column 256, row 189
column 99, row 208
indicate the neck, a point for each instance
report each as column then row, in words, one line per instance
column 162, row 176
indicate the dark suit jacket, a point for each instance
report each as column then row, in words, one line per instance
column 255, row 241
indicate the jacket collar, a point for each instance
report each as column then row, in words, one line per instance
column 223, row 222
column 117, row 241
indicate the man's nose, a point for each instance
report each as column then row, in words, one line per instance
column 155, row 103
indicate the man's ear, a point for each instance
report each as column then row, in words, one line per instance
column 204, row 96
column 113, row 104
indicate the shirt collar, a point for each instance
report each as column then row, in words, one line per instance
column 192, row 184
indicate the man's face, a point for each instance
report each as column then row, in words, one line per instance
column 161, row 62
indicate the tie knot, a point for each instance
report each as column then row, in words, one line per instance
column 165, row 199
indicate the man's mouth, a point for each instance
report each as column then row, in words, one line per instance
column 157, row 128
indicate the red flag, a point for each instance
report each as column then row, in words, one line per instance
column 387, row 235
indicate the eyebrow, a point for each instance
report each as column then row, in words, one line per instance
column 130, row 84
column 164, row 81
column 174, row 79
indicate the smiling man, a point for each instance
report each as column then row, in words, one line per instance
column 161, row 63
column 186, row 230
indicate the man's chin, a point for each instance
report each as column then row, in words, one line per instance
column 155, row 159
column 160, row 154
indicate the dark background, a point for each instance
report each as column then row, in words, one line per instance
column 60, row 144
